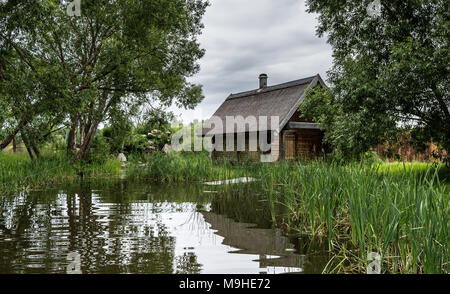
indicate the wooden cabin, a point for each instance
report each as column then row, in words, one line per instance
column 291, row 138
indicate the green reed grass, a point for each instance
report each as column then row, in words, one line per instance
column 397, row 210
column 18, row 172
column 402, row 216
column 184, row 168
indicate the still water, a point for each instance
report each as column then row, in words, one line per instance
column 128, row 227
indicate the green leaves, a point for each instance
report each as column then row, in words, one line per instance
column 390, row 73
column 117, row 53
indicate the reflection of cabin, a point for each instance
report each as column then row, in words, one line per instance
column 293, row 138
column 255, row 241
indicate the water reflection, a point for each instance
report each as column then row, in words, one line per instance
column 271, row 249
column 123, row 227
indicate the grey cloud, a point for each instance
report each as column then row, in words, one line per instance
column 245, row 38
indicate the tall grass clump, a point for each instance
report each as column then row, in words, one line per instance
column 18, row 172
column 402, row 216
column 184, row 167
column 397, row 210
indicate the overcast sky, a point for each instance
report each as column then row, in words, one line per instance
column 244, row 38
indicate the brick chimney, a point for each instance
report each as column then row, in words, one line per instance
column 263, row 81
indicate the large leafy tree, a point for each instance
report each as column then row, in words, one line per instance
column 390, row 72
column 116, row 52
column 29, row 86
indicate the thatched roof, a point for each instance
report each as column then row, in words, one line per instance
column 275, row 101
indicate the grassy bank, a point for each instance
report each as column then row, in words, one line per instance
column 397, row 210
column 363, row 209
column 18, row 172
column 189, row 167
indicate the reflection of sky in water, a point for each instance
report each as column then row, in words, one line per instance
column 193, row 234
column 118, row 237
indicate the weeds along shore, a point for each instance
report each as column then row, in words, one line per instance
column 397, row 210
column 19, row 173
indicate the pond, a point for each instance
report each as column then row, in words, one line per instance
column 120, row 226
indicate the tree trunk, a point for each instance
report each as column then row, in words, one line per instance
column 11, row 136
column 14, row 144
column 94, row 121
column 27, row 145
column 82, row 129
column 88, row 140
column 71, row 140
column 35, row 148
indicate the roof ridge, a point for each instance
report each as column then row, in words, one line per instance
column 272, row 88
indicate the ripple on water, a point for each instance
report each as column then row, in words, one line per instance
column 135, row 229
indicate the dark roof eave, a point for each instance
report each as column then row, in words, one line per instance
column 302, row 126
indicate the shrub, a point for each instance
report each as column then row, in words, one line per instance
column 100, row 150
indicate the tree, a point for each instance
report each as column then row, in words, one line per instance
column 390, row 72
column 31, row 85
column 35, row 85
column 155, row 118
column 131, row 51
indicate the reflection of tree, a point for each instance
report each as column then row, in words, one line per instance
column 16, row 216
column 116, row 237
column 116, row 230
column 244, row 206
column 111, row 236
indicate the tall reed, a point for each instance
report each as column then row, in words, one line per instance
column 397, row 210
column 18, row 172
column 403, row 217
column 183, row 168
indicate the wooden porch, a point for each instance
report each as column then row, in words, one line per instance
column 301, row 140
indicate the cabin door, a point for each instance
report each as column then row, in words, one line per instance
column 290, row 147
